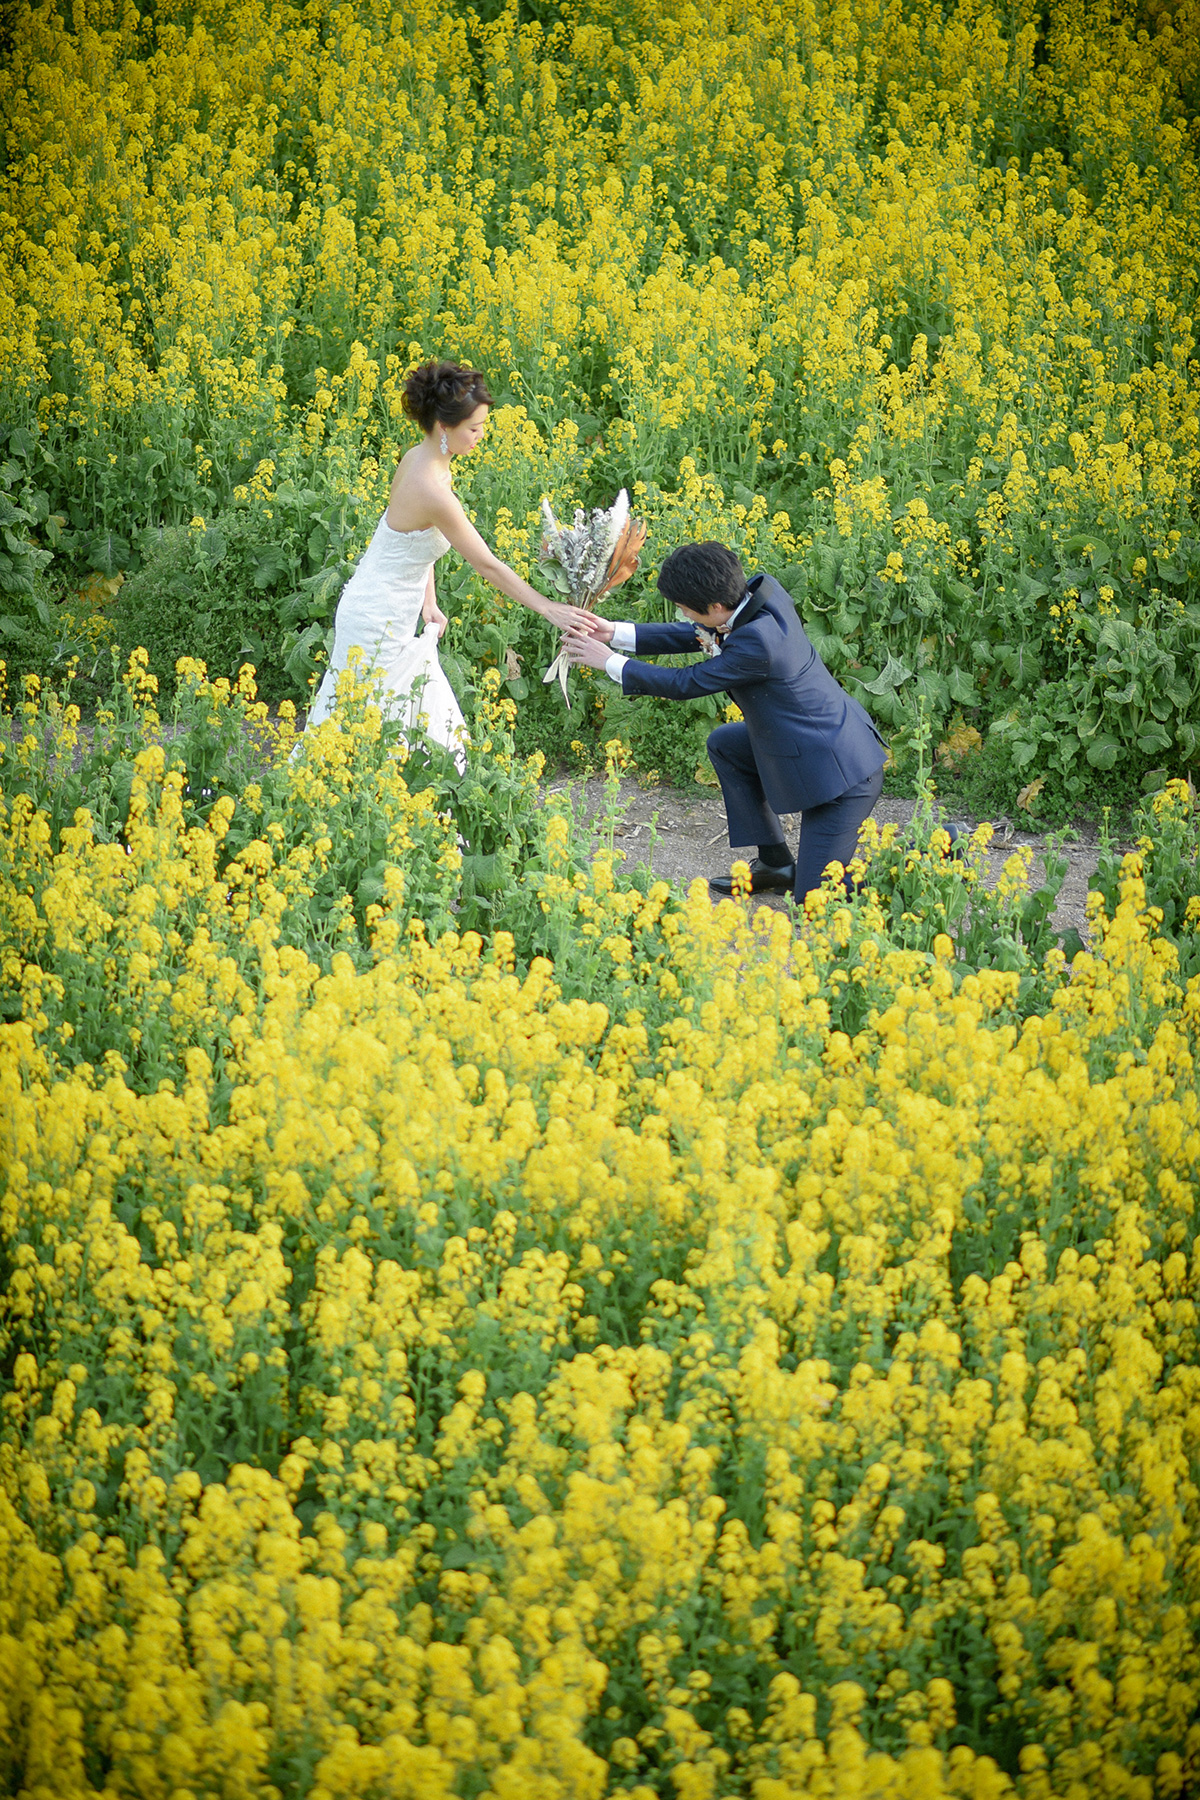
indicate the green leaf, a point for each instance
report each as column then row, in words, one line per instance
column 296, row 607
column 324, row 586
column 963, row 689
column 270, row 565
column 895, row 673
column 23, row 443
column 556, row 575
column 371, row 887
column 301, row 659
column 934, row 688
column 828, row 645
column 1100, row 552
column 1152, row 739
column 1118, row 635
column 107, row 552
column 1104, row 751
column 1122, row 696
column 1021, row 663
column 486, row 874
column 830, row 569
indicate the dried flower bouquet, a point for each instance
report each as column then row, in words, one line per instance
column 589, row 559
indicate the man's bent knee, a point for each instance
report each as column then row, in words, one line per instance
column 729, row 744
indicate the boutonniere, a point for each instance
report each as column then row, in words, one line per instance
column 711, row 640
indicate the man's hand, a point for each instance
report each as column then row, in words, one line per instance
column 585, row 651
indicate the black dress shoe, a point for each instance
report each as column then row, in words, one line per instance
column 763, row 880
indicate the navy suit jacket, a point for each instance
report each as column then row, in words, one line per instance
column 811, row 740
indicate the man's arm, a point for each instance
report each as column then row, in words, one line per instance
column 676, row 639
column 742, row 660
column 628, row 639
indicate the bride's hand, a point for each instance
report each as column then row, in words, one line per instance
column 435, row 619
column 570, row 618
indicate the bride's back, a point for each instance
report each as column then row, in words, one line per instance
column 416, row 492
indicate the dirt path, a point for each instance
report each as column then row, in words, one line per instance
column 680, row 834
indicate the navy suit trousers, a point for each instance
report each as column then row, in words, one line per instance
column 828, row 833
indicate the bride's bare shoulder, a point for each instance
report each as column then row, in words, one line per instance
column 417, row 497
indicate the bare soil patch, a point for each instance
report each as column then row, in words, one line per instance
column 680, row 834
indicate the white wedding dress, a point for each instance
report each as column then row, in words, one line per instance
column 378, row 612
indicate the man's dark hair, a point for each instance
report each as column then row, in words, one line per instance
column 702, row 576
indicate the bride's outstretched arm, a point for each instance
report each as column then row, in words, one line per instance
column 455, row 525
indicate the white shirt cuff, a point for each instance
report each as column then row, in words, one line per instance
column 624, row 636
column 613, row 667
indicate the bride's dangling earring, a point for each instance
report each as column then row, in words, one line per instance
column 445, row 445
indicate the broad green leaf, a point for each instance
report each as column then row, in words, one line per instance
column 828, row 645
column 963, row 689
column 1118, row 635
column 1122, row 696
column 895, row 673
column 830, row 569
column 107, row 552
column 23, row 442
column 1089, row 542
column 1104, row 751
column 269, row 565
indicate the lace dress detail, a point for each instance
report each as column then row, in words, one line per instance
column 379, row 612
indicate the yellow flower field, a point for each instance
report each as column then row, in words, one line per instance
column 476, row 1322
column 899, row 298
column 712, row 1362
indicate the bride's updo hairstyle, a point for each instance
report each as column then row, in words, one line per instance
column 444, row 393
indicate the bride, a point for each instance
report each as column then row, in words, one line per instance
column 393, row 585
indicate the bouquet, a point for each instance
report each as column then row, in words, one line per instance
column 588, row 559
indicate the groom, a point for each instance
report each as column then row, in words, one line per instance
column 806, row 745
